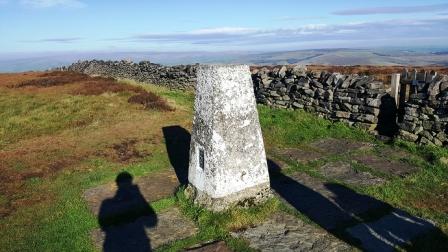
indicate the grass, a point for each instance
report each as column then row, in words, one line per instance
column 52, row 125
column 283, row 128
column 217, row 226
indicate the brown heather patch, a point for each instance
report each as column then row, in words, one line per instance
column 150, row 101
column 50, row 79
column 11, row 79
column 128, row 136
column 126, row 141
column 435, row 201
column 83, row 84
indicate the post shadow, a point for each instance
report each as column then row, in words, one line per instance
column 177, row 141
column 124, row 217
column 353, row 217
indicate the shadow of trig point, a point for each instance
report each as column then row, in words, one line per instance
column 227, row 158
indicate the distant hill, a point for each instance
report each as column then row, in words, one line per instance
column 384, row 57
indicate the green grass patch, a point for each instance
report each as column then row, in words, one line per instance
column 217, row 226
column 26, row 116
column 286, row 128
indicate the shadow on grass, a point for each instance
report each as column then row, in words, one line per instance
column 177, row 140
column 124, row 218
column 357, row 219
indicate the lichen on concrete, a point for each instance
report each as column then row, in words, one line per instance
column 227, row 156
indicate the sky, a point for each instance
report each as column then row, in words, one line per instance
column 205, row 25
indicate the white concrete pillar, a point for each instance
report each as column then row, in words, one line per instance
column 395, row 87
column 227, row 157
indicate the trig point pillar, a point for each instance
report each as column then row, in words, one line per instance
column 227, row 157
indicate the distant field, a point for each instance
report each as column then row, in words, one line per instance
column 338, row 56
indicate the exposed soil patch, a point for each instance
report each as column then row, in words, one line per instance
column 333, row 146
column 150, row 101
column 388, row 167
column 127, row 151
column 344, row 172
column 32, row 166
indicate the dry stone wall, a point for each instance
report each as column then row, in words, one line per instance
column 425, row 116
column 358, row 100
column 179, row 77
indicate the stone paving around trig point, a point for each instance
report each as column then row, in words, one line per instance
column 334, row 217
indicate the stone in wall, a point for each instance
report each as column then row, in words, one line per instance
column 349, row 98
column 425, row 118
column 179, row 77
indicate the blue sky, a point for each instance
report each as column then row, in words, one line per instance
column 196, row 25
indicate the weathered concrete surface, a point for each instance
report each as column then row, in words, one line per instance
column 284, row 232
column 227, row 157
column 344, row 172
column 147, row 232
column 393, row 230
column 152, row 187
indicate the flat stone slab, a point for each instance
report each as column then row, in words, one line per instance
column 300, row 155
column 390, row 167
column 329, row 205
column 393, row 230
column 343, row 171
column 219, row 246
column 145, row 233
column 333, row 146
column 393, row 152
column 152, row 187
column 284, row 232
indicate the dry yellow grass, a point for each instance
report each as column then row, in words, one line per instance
column 48, row 127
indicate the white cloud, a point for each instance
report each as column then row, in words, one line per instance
column 53, row 3
column 392, row 10
column 222, row 30
column 392, row 29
